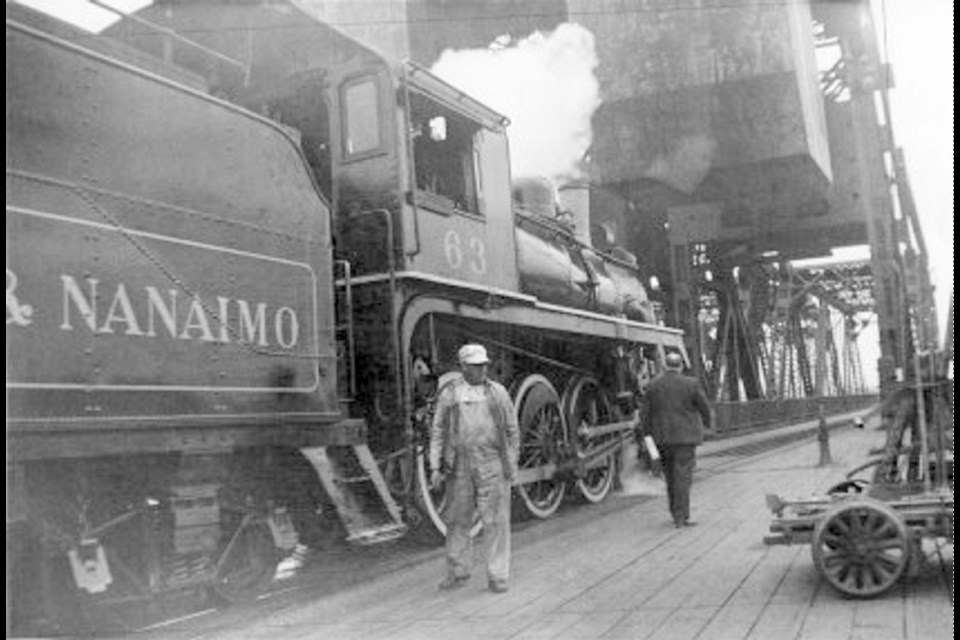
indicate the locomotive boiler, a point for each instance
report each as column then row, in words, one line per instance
column 242, row 250
column 558, row 262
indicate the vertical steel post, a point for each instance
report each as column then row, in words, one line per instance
column 823, row 437
column 820, row 343
column 862, row 63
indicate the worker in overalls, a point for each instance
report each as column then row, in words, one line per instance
column 474, row 444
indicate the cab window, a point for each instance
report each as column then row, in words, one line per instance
column 361, row 117
column 445, row 157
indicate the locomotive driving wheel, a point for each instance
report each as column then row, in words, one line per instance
column 861, row 547
column 541, row 432
column 586, row 404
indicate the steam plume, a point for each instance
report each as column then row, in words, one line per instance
column 545, row 84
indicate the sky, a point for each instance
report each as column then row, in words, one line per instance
column 546, row 85
column 918, row 38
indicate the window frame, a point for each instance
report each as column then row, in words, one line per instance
column 375, row 79
column 437, row 203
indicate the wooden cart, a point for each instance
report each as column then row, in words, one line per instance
column 861, row 544
column 865, row 535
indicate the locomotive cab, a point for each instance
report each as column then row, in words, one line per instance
column 398, row 140
column 457, row 206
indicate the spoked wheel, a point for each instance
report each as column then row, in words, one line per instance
column 861, row 547
column 541, row 432
column 585, row 403
column 433, row 503
column 248, row 564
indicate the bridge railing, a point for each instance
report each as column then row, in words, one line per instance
column 740, row 417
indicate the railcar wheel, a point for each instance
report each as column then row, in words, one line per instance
column 585, row 403
column 248, row 565
column 861, row 547
column 541, row 432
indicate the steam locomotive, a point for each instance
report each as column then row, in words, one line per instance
column 238, row 263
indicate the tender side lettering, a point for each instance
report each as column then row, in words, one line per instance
column 18, row 314
column 152, row 312
column 121, row 311
column 165, row 309
column 288, row 337
column 253, row 328
column 84, row 305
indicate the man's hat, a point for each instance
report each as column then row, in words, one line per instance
column 472, row 354
column 674, row 360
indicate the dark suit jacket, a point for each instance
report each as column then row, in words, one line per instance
column 676, row 410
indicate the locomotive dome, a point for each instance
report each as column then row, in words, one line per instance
column 536, row 195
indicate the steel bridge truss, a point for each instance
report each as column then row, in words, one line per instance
column 775, row 331
column 762, row 327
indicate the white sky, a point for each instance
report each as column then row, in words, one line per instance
column 83, row 13
column 918, row 35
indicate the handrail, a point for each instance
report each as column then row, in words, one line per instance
column 173, row 34
column 411, row 165
column 351, row 345
column 394, row 317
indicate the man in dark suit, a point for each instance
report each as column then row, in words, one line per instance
column 676, row 415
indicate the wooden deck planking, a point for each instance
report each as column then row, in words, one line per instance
column 879, row 619
column 827, row 619
column 591, row 626
column 549, row 626
column 639, row 624
column 778, row 621
column 685, row 623
column 731, row 622
column 627, row 573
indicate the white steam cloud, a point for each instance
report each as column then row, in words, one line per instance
column 545, row 84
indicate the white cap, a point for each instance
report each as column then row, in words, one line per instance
column 473, row 354
column 674, row 360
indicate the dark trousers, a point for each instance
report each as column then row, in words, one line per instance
column 678, row 463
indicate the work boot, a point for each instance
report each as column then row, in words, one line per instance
column 453, row 582
column 497, row 586
column 689, row 523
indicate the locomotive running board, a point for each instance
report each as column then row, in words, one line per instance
column 353, row 481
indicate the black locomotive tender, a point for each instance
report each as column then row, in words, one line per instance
column 238, row 262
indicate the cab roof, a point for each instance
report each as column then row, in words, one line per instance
column 421, row 80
